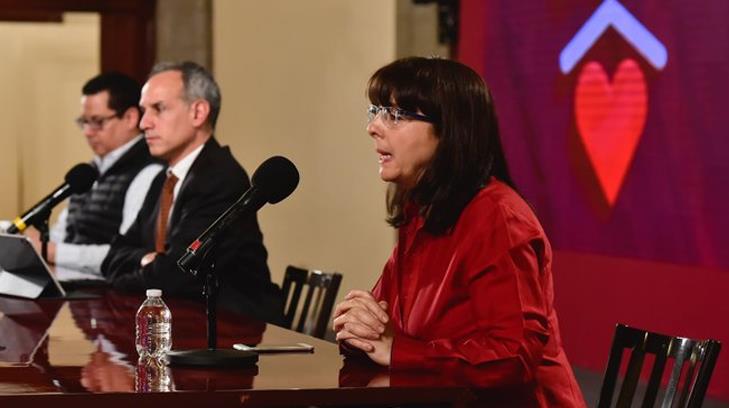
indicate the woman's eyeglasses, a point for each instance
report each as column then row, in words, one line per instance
column 392, row 115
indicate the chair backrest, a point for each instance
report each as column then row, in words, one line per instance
column 318, row 303
column 294, row 278
column 693, row 362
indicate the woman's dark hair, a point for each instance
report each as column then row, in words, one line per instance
column 469, row 148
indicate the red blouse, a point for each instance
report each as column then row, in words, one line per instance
column 479, row 300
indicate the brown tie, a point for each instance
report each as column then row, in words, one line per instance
column 165, row 205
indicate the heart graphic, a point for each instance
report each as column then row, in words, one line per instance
column 610, row 120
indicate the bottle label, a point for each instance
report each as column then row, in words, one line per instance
column 159, row 328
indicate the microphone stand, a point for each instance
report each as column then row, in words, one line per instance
column 212, row 356
column 210, row 291
column 42, row 227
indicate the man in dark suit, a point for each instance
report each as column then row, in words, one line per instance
column 180, row 104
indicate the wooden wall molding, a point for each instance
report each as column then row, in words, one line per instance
column 128, row 40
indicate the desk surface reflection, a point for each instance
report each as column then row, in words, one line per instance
column 82, row 352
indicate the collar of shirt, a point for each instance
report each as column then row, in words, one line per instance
column 103, row 164
column 181, row 169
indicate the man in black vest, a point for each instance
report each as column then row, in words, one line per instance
column 109, row 120
column 180, row 104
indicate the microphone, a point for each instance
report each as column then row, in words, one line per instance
column 274, row 180
column 78, row 180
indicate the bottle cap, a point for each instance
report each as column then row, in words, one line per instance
column 154, row 292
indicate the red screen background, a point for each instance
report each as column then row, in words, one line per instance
column 625, row 164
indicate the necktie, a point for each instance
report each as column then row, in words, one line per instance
column 165, row 205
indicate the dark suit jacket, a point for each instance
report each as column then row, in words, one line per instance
column 215, row 181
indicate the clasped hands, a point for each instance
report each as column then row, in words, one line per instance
column 363, row 323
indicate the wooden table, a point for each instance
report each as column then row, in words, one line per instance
column 81, row 353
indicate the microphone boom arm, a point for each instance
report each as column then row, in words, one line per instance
column 197, row 251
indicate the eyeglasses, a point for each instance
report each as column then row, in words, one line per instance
column 94, row 123
column 392, row 115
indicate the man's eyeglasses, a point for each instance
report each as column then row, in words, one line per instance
column 392, row 115
column 94, row 123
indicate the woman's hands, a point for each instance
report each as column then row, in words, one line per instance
column 362, row 322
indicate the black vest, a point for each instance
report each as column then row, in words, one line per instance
column 95, row 216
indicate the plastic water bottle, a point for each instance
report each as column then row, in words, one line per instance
column 154, row 327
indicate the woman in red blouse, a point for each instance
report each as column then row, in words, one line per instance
column 468, row 288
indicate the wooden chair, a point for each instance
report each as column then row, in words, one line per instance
column 318, row 303
column 692, row 364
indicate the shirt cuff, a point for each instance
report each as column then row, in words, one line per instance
column 86, row 258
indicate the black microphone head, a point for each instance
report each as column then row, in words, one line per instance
column 81, row 177
column 276, row 178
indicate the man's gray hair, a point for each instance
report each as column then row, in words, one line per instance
column 198, row 83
